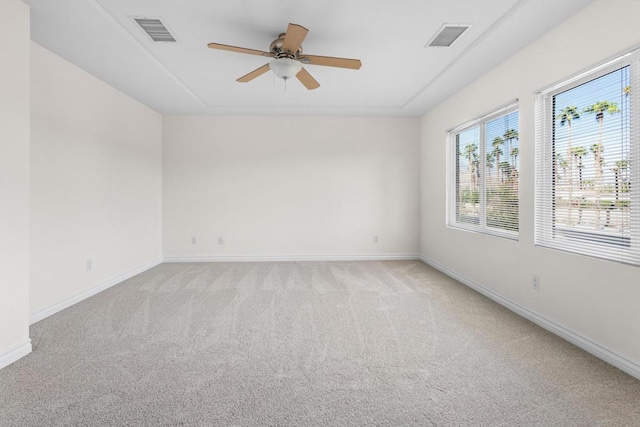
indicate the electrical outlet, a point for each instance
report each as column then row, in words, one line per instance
column 375, row 239
column 194, row 240
column 89, row 264
column 536, row 283
column 220, row 240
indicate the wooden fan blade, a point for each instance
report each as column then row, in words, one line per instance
column 238, row 49
column 255, row 73
column 330, row 61
column 293, row 38
column 307, row 80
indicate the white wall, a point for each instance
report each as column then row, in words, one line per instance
column 96, row 182
column 596, row 299
column 14, row 181
column 283, row 186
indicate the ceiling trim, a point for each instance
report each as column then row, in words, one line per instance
column 512, row 10
column 147, row 52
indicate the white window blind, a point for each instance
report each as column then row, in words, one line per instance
column 588, row 163
column 483, row 174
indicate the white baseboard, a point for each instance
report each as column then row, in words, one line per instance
column 46, row 312
column 15, row 353
column 282, row 258
column 600, row 351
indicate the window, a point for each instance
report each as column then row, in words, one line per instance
column 483, row 174
column 588, row 163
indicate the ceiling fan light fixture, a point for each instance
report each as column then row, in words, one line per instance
column 285, row 68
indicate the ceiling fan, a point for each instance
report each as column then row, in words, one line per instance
column 288, row 58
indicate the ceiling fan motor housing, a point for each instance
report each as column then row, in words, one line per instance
column 276, row 49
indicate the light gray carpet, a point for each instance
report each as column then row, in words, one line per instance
column 313, row 343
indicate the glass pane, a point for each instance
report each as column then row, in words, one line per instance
column 467, row 176
column 591, row 147
column 502, row 170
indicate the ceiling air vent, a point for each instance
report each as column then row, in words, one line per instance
column 155, row 29
column 447, row 35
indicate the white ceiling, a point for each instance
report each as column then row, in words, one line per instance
column 399, row 76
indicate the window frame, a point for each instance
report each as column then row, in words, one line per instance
column 452, row 174
column 545, row 234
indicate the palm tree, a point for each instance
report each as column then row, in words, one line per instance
column 507, row 171
column 598, row 161
column 515, row 152
column 497, row 142
column 566, row 116
column 620, row 167
column 489, row 165
column 510, row 136
column 599, row 109
column 471, row 154
column 562, row 163
column 476, row 166
column 578, row 153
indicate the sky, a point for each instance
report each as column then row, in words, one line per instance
column 584, row 131
column 494, row 128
